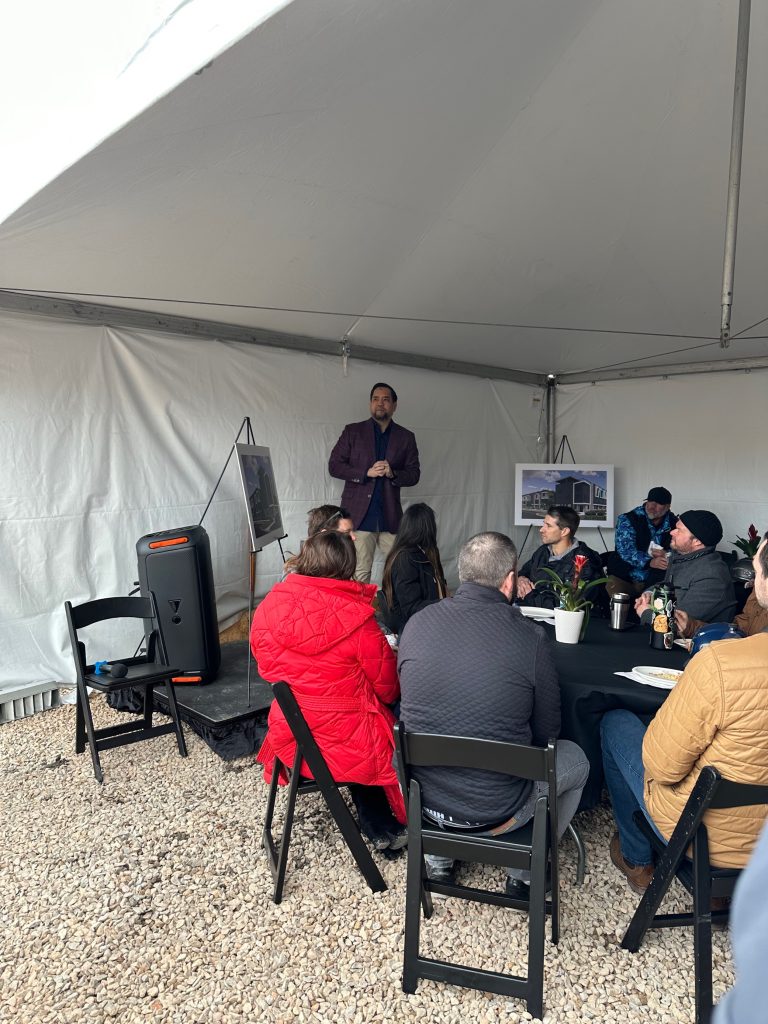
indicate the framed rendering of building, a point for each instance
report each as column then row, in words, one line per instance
column 588, row 488
column 260, row 493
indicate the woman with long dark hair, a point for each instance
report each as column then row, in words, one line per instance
column 316, row 630
column 413, row 573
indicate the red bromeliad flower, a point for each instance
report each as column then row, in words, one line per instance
column 749, row 544
column 578, row 564
column 572, row 595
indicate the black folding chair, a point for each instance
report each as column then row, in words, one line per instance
column 143, row 672
column 323, row 782
column 697, row 875
column 531, row 847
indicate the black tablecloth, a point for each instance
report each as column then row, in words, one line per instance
column 589, row 687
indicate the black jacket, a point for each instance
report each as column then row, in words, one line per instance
column 543, row 597
column 703, row 586
column 471, row 665
column 413, row 587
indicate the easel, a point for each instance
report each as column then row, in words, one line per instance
column 559, row 457
column 560, row 453
column 249, row 439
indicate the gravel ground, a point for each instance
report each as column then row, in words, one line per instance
column 148, row 898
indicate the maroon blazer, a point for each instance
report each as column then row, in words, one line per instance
column 354, row 454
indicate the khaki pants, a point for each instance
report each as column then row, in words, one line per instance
column 365, row 546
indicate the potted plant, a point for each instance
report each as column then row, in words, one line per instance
column 742, row 570
column 572, row 617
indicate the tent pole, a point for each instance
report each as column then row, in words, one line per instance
column 551, row 396
column 734, row 171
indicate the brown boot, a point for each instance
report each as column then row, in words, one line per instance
column 638, row 876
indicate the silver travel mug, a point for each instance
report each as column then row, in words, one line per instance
column 619, row 611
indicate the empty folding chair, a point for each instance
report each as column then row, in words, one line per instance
column 141, row 673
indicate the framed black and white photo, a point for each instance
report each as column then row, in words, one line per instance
column 588, row 488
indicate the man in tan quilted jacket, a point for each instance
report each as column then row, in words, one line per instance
column 717, row 714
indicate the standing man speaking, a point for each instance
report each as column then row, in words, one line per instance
column 375, row 458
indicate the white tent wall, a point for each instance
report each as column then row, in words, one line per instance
column 108, row 435
column 700, row 436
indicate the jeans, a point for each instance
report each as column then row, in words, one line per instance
column 571, row 774
column 621, row 735
column 373, row 812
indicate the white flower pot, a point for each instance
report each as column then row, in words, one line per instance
column 568, row 625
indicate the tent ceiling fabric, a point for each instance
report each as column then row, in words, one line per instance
column 525, row 174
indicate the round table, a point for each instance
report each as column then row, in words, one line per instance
column 589, row 687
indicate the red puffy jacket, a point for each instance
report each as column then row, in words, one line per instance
column 319, row 635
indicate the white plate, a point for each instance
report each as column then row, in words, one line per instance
column 536, row 613
column 656, row 675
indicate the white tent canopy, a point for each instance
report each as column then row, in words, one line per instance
column 361, row 169
column 527, row 187
column 91, row 67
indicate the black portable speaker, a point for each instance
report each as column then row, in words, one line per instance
column 176, row 566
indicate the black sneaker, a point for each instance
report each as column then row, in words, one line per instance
column 399, row 839
column 389, row 840
column 445, row 876
column 520, row 890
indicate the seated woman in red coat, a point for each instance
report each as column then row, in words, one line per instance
column 316, row 630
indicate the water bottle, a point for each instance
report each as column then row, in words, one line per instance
column 663, row 621
column 619, row 611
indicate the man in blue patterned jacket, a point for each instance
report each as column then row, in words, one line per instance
column 642, row 545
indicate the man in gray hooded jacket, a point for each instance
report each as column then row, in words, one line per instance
column 702, row 580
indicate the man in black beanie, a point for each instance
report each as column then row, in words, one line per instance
column 702, row 581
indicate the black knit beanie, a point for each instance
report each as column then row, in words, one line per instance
column 703, row 525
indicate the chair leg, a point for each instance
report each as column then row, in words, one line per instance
column 351, row 833
column 537, row 918
column 555, row 897
column 84, row 709
column 426, row 895
column 267, row 841
column 285, row 841
column 149, row 696
column 581, row 853
column 414, row 894
column 702, row 937
column 173, row 707
column 643, row 917
column 80, row 738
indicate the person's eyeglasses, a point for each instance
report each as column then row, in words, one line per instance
column 331, row 519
